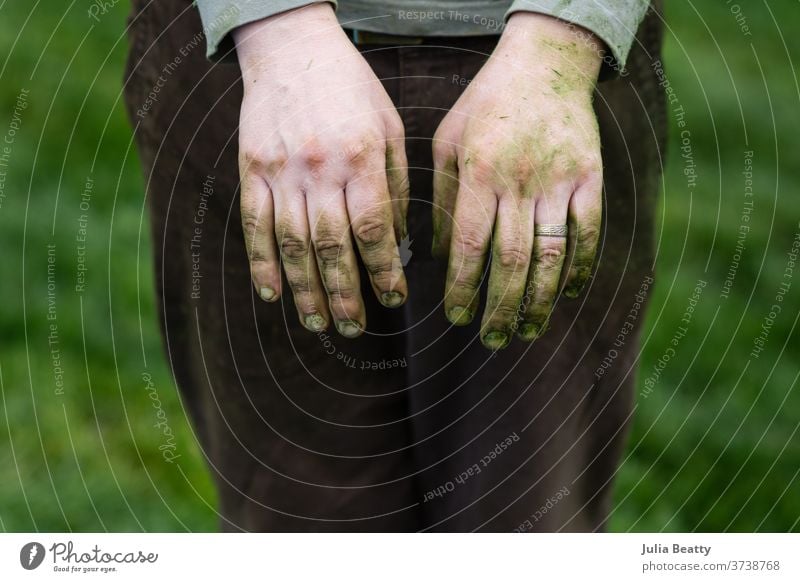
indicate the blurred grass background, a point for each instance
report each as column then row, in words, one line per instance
column 714, row 445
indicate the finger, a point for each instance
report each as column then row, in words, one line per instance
column 258, row 224
column 369, row 208
column 546, row 265
column 511, row 256
column 585, row 215
column 445, row 190
column 474, row 216
column 294, row 243
column 338, row 266
column 397, row 178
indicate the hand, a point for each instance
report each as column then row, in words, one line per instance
column 520, row 147
column 321, row 153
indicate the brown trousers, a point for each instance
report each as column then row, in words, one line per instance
column 415, row 425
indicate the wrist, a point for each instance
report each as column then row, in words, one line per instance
column 278, row 38
column 554, row 45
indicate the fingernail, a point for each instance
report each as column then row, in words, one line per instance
column 495, row 340
column 528, row 331
column 574, row 291
column 348, row 328
column 459, row 315
column 267, row 293
column 315, row 322
column 392, row 299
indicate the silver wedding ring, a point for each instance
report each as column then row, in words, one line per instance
column 550, row 230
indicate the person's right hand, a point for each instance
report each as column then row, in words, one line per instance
column 321, row 154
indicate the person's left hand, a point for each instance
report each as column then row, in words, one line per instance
column 520, row 148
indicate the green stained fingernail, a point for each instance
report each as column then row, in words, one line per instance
column 392, row 299
column 528, row 331
column 495, row 340
column 348, row 328
column 573, row 291
column 267, row 293
column 459, row 315
column 315, row 322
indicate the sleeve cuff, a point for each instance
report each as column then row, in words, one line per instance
column 615, row 22
column 220, row 17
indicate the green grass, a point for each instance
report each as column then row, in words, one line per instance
column 87, row 459
column 714, row 445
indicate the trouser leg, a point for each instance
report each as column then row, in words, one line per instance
column 299, row 436
column 530, row 438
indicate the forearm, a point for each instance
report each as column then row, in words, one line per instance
column 614, row 22
column 221, row 17
column 571, row 57
column 275, row 43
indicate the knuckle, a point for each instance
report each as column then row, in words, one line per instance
column 462, row 283
column 588, row 233
column 384, row 268
column 512, row 258
column 386, row 281
column 257, row 255
column 301, row 286
column 293, row 248
column 523, row 173
column 593, row 175
column 341, row 293
column 385, row 275
column 540, row 303
column 250, row 160
column 470, row 243
column 505, row 310
column 550, row 257
column 253, row 161
column 251, row 222
column 371, row 231
column 464, row 291
column 312, row 154
column 360, row 151
column 330, row 250
column 481, row 170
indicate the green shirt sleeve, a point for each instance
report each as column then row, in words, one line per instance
column 220, row 17
column 613, row 21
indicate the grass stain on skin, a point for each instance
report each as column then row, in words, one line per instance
column 495, row 340
column 528, row 332
column 459, row 315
